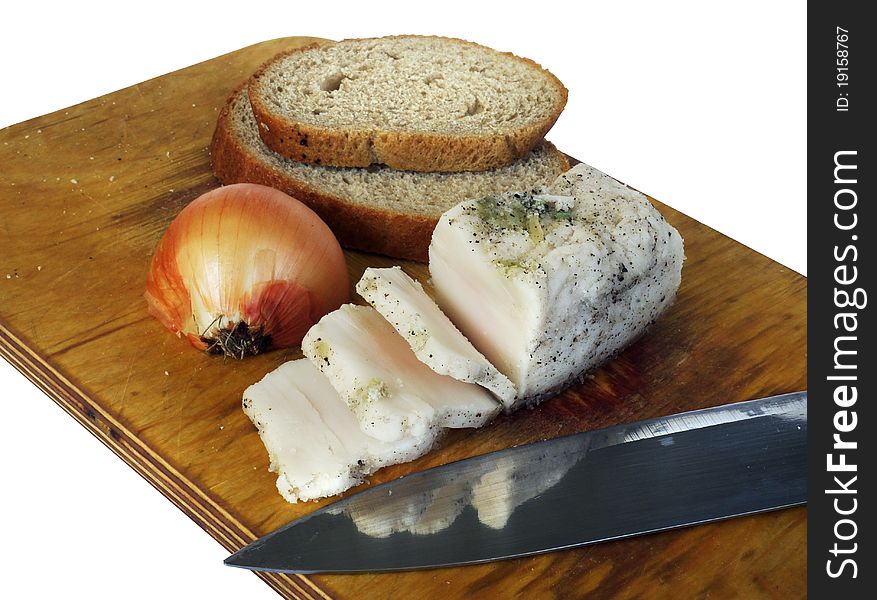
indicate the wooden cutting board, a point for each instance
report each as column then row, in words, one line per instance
column 85, row 194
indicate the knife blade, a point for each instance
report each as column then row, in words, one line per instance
column 685, row 469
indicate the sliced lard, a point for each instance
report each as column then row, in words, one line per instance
column 392, row 393
column 314, row 442
column 433, row 338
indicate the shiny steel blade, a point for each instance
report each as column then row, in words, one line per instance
column 626, row 480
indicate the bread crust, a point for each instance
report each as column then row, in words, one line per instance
column 356, row 226
column 403, row 150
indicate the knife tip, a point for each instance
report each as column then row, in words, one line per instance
column 232, row 561
column 239, row 559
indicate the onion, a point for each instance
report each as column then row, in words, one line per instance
column 243, row 269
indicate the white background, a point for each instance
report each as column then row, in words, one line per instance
column 701, row 105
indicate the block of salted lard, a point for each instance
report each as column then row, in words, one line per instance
column 548, row 285
column 392, row 393
column 314, row 442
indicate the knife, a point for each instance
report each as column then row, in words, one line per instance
column 653, row 475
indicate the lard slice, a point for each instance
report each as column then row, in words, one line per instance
column 314, row 442
column 392, row 393
column 431, row 335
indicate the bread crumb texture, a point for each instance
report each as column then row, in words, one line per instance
column 411, row 102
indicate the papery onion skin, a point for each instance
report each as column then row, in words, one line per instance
column 245, row 268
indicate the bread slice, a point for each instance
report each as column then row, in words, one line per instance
column 376, row 209
column 416, row 103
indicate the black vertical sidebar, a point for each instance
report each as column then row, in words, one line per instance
column 842, row 368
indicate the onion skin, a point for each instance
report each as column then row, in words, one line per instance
column 243, row 269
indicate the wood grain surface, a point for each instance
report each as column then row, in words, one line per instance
column 85, row 194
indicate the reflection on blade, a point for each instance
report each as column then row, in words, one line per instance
column 392, row 515
column 500, row 489
column 421, row 513
column 512, row 482
column 449, row 502
column 637, row 478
